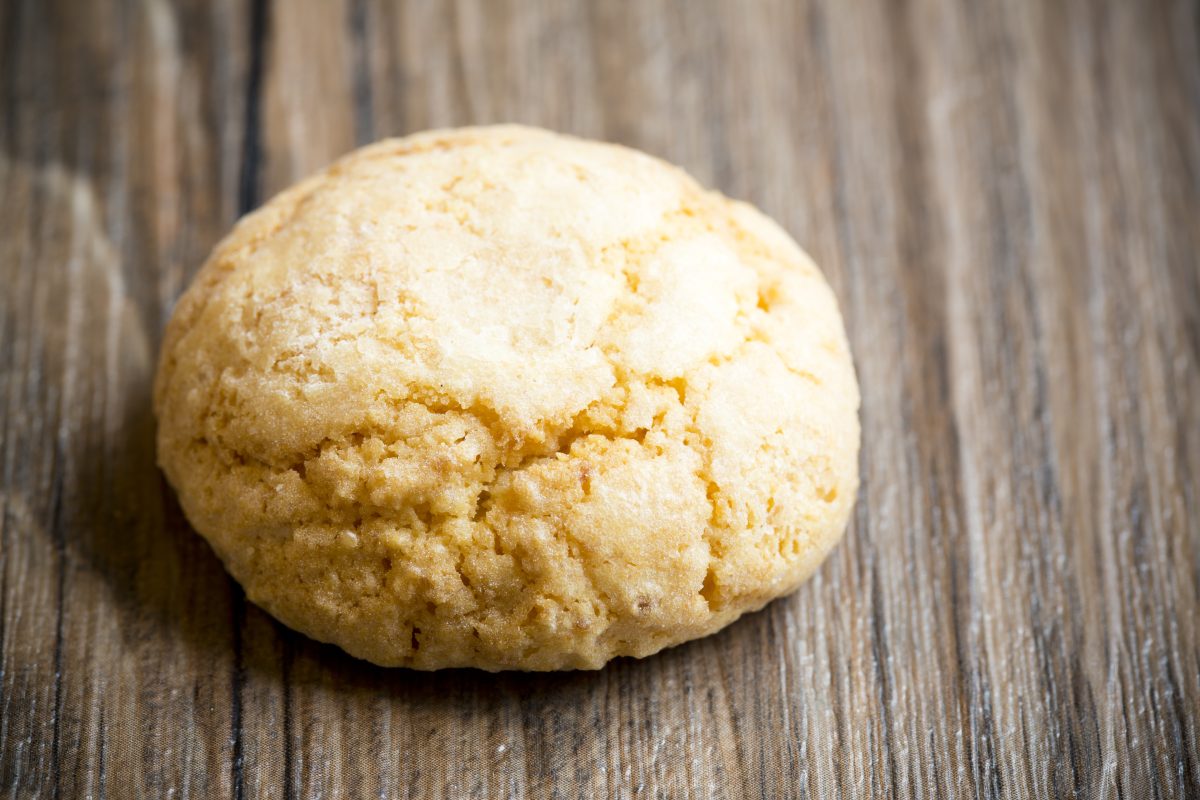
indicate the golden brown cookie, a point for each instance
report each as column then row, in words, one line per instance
column 499, row 398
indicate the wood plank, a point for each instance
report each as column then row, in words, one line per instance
column 115, row 165
column 1006, row 199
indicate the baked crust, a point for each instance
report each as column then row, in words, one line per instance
column 500, row 398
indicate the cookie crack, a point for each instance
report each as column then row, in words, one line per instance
column 634, row 253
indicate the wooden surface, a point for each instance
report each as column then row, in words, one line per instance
column 1006, row 198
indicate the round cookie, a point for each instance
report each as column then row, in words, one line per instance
column 500, row 398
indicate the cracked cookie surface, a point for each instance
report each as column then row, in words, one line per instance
column 500, row 398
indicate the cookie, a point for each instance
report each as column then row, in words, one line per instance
column 499, row 398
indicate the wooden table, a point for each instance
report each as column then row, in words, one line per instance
column 1006, row 198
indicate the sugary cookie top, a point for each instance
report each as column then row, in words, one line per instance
column 497, row 397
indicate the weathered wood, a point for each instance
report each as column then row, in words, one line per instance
column 1006, row 198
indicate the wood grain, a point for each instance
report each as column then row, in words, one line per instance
column 1006, row 198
